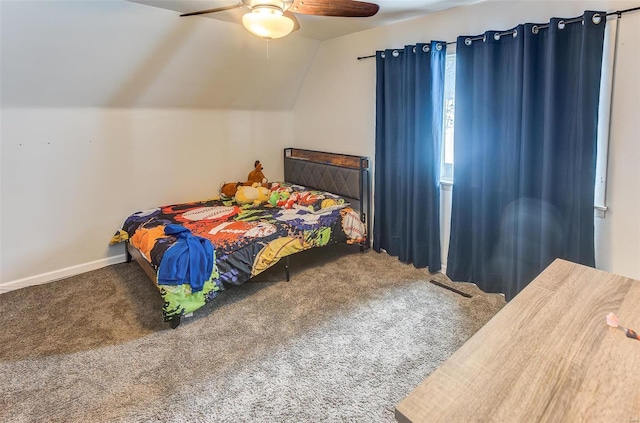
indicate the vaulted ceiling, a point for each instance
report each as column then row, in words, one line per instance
column 317, row 27
column 116, row 53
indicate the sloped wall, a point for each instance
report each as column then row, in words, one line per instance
column 118, row 54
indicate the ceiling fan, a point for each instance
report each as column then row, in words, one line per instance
column 276, row 18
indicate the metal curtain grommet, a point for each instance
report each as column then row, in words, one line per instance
column 496, row 36
column 413, row 49
column 395, row 53
column 561, row 25
column 515, row 33
column 468, row 41
column 535, row 29
column 596, row 18
column 426, row 48
column 383, row 55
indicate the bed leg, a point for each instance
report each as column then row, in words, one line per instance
column 286, row 268
column 175, row 322
column 126, row 250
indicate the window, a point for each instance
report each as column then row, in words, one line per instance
column 606, row 87
column 446, row 166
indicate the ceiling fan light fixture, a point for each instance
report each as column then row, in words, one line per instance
column 267, row 9
column 267, row 21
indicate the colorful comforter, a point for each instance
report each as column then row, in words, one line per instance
column 246, row 239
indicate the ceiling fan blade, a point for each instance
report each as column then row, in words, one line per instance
column 292, row 16
column 341, row 8
column 217, row 9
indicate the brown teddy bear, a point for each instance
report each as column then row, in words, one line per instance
column 229, row 189
column 256, row 176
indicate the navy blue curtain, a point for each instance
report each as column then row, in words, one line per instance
column 525, row 152
column 409, row 113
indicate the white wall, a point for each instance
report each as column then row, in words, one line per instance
column 109, row 107
column 71, row 176
column 335, row 110
column 74, row 162
column 618, row 234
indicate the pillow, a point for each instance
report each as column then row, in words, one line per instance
column 322, row 210
column 318, row 200
column 279, row 194
column 286, row 195
column 296, row 196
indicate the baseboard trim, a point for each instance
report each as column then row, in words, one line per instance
column 61, row 273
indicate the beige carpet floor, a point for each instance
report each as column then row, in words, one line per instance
column 345, row 340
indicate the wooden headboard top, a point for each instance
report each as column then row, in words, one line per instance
column 336, row 159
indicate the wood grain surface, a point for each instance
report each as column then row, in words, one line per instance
column 146, row 266
column 547, row 356
column 339, row 8
column 343, row 160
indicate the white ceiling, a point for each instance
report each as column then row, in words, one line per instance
column 318, row 27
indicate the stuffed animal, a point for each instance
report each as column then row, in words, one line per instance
column 307, row 198
column 291, row 201
column 278, row 198
column 254, row 194
column 256, row 176
column 229, row 189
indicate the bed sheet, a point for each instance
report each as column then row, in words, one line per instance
column 247, row 239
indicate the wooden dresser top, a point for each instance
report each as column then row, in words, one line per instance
column 548, row 355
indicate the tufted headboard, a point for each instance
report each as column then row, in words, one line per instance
column 341, row 174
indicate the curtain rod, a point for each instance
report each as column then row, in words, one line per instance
column 535, row 28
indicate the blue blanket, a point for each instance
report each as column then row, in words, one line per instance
column 189, row 260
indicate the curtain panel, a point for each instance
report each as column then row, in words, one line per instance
column 525, row 151
column 409, row 117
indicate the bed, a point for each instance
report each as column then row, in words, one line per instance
column 192, row 250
